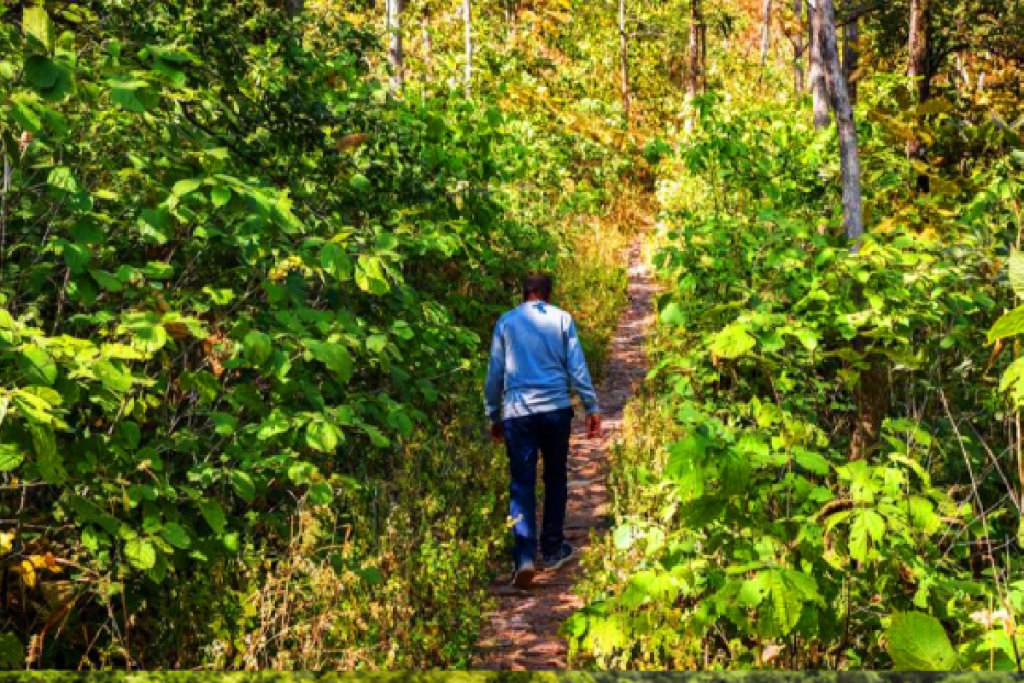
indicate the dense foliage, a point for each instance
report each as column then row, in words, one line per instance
column 250, row 251
column 754, row 529
column 243, row 293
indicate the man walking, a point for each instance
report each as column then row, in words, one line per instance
column 536, row 359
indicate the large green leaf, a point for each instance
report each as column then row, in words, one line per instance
column 1009, row 325
column 213, row 513
column 867, row 529
column 11, row 456
column 132, row 94
column 370, row 275
column 177, row 535
column 114, row 375
column 322, row 436
column 256, row 347
column 38, row 26
column 243, row 485
column 732, row 342
column 141, row 553
column 335, row 356
column 37, row 368
column 1016, row 273
column 917, row 642
column 41, row 73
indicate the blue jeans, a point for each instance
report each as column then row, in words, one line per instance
column 524, row 436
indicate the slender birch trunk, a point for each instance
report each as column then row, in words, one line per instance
column 694, row 67
column 851, row 52
column 798, row 50
column 918, row 70
column 467, row 16
column 624, row 58
column 848, row 153
column 766, row 31
column 428, row 44
column 819, row 86
column 396, row 56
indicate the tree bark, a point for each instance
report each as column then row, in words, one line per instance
column 703, row 55
column 624, row 58
column 918, row 70
column 766, row 31
column 851, row 53
column 693, row 77
column 467, row 16
column 872, row 397
column 396, row 57
column 798, row 50
column 848, row 153
column 428, row 44
column 819, row 86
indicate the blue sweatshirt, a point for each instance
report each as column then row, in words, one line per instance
column 536, row 359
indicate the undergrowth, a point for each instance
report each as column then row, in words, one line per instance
column 822, row 472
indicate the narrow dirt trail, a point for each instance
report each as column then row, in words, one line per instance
column 523, row 631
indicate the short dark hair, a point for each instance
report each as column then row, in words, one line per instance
column 538, row 284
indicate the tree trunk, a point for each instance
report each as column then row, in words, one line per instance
column 395, row 55
column 624, row 58
column 798, row 50
column 693, row 75
column 467, row 16
column 851, row 53
column 872, row 391
column 766, row 31
column 428, row 44
column 918, row 70
column 848, row 155
column 703, row 55
column 296, row 6
column 819, row 87
column 872, row 397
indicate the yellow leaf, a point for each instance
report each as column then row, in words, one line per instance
column 6, row 542
column 28, row 573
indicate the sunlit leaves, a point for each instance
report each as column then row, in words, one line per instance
column 132, row 94
column 141, row 553
column 1009, row 325
column 257, row 347
column 732, row 342
column 39, row 27
column 333, row 355
column 917, row 642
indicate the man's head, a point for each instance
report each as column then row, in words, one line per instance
column 537, row 287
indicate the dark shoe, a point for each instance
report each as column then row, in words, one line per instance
column 559, row 559
column 523, row 575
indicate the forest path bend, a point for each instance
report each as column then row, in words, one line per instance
column 522, row 633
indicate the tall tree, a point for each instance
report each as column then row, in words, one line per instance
column 919, row 71
column 467, row 17
column 798, row 48
column 703, row 54
column 693, row 75
column 428, row 42
column 819, row 86
column 624, row 58
column 851, row 51
column 395, row 55
column 848, row 153
column 766, row 31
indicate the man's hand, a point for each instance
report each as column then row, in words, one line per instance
column 497, row 433
column 594, row 426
